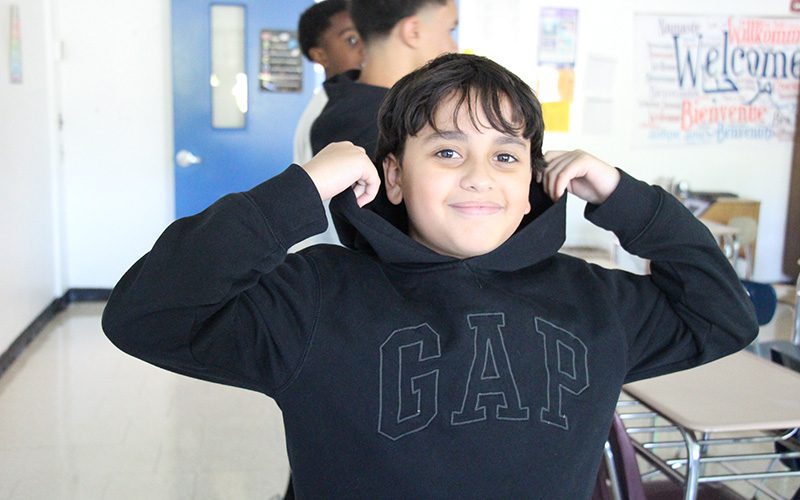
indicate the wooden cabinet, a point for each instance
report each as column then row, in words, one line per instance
column 725, row 209
column 742, row 215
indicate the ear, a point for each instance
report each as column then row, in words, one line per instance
column 393, row 179
column 319, row 56
column 528, row 200
column 409, row 31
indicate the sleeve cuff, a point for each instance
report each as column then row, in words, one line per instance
column 628, row 211
column 291, row 205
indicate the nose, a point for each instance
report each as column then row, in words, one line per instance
column 478, row 177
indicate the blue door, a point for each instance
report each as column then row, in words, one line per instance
column 239, row 86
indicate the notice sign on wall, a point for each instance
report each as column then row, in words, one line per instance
column 715, row 80
column 15, row 47
column 558, row 35
column 281, row 61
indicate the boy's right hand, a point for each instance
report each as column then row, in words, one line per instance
column 342, row 165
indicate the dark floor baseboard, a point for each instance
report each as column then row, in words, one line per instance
column 87, row 295
column 35, row 328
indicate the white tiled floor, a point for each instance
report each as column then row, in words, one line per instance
column 79, row 419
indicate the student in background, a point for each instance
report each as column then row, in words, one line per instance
column 329, row 38
column 399, row 36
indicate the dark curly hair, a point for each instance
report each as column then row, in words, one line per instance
column 314, row 21
column 474, row 81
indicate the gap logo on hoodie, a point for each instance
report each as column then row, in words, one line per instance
column 409, row 377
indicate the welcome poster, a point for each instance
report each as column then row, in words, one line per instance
column 715, row 80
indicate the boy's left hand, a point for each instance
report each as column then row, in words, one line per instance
column 580, row 173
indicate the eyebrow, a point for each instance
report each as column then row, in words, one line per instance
column 455, row 135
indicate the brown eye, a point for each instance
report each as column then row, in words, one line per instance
column 447, row 154
column 506, row 158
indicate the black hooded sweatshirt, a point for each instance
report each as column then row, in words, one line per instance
column 351, row 113
column 403, row 373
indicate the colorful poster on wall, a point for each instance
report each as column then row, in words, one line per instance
column 558, row 34
column 15, row 51
column 715, row 79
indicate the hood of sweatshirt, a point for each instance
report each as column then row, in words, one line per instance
column 380, row 228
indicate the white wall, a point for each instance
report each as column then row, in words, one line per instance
column 112, row 193
column 116, row 105
column 605, row 29
column 116, row 93
column 28, row 260
column 79, row 207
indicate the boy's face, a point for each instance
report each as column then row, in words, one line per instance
column 340, row 47
column 436, row 25
column 465, row 188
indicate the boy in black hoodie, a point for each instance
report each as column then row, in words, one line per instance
column 451, row 351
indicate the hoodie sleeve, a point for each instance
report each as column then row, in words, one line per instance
column 217, row 298
column 692, row 308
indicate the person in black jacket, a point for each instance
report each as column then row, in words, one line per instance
column 399, row 36
column 450, row 350
column 329, row 38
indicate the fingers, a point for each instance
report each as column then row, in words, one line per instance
column 369, row 183
column 562, row 168
column 552, row 155
column 339, row 166
column 366, row 188
column 552, row 174
column 579, row 173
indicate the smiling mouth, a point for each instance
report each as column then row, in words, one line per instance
column 476, row 208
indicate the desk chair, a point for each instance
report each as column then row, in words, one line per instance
column 764, row 299
column 621, row 478
column 787, row 354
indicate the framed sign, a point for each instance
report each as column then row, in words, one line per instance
column 15, row 46
column 281, row 62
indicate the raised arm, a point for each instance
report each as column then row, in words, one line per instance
column 692, row 308
column 218, row 298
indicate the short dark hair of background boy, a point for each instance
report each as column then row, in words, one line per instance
column 328, row 37
column 376, row 19
column 402, row 35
